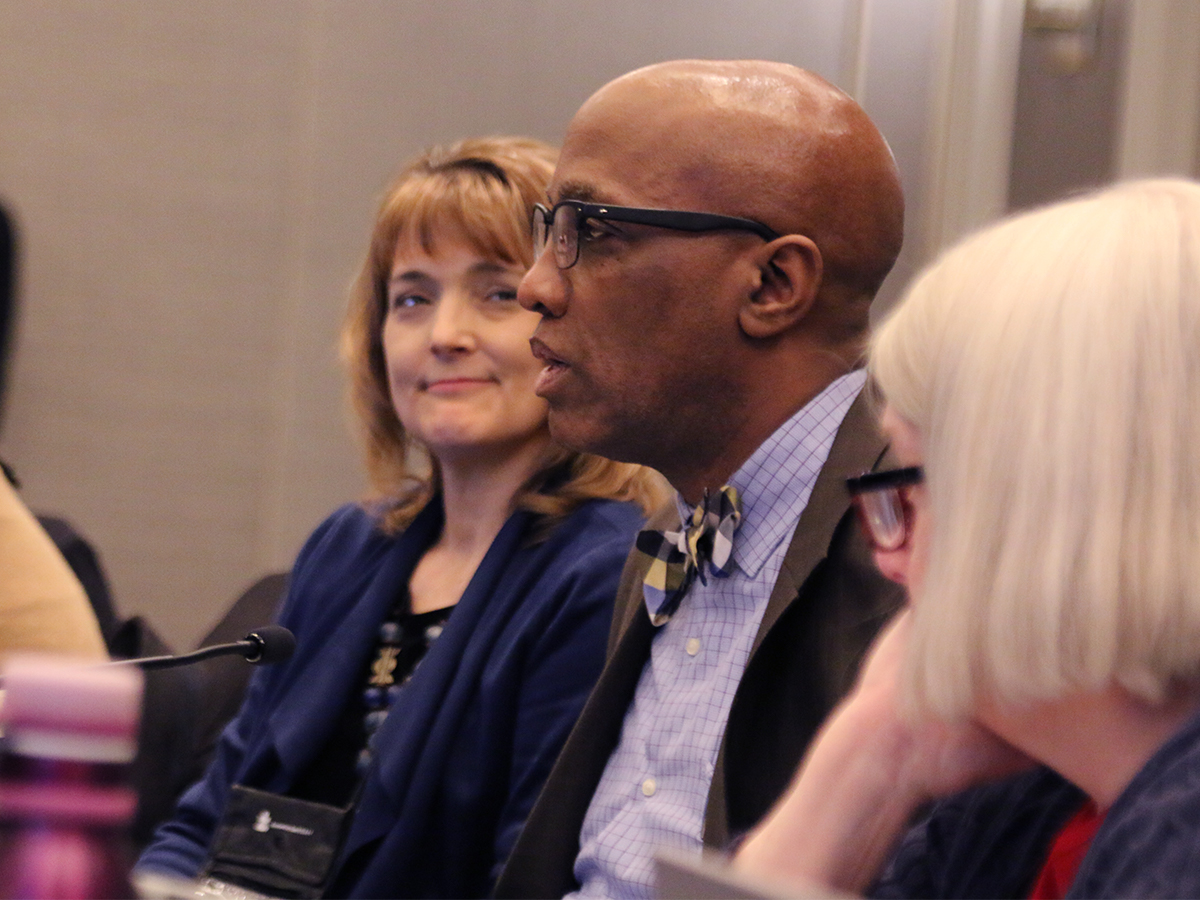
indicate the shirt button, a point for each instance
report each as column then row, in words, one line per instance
column 649, row 787
column 693, row 646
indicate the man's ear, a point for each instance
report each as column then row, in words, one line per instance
column 789, row 270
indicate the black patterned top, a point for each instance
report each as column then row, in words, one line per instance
column 404, row 639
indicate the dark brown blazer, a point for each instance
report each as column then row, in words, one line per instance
column 827, row 604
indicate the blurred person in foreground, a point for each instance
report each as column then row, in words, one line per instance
column 715, row 234
column 449, row 630
column 43, row 607
column 1042, row 383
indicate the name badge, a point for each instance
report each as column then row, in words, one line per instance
column 275, row 845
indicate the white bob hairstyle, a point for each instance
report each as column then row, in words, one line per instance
column 1051, row 366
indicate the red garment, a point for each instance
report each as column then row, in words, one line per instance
column 1066, row 853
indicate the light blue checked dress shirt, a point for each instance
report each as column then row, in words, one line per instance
column 655, row 786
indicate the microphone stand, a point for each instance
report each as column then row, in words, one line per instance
column 252, row 650
column 265, row 645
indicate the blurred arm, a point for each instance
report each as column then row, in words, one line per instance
column 43, row 606
column 864, row 778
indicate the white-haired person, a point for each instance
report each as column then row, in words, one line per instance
column 1042, row 688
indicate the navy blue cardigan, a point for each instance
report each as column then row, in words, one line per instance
column 465, row 749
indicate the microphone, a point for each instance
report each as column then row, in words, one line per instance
column 261, row 647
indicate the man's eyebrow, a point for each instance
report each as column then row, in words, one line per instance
column 575, row 190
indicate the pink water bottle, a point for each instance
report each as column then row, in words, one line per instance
column 69, row 734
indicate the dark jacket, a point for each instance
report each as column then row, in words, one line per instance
column 826, row 606
column 463, row 753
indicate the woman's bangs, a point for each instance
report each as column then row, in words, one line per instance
column 480, row 212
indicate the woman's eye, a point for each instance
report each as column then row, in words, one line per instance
column 407, row 301
column 501, row 295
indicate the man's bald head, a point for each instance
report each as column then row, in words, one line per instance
column 763, row 140
column 653, row 333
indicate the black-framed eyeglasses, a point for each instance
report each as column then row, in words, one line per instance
column 884, row 505
column 559, row 226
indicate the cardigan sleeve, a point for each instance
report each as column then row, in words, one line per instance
column 180, row 845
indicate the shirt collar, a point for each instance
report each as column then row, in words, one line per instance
column 774, row 484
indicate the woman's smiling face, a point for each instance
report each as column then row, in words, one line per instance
column 456, row 342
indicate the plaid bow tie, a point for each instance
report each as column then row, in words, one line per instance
column 677, row 557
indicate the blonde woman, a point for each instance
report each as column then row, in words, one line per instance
column 489, row 556
column 1042, row 385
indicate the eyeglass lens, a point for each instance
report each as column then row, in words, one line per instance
column 882, row 513
column 541, row 229
column 564, row 234
column 560, row 230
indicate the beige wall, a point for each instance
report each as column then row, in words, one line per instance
column 194, row 181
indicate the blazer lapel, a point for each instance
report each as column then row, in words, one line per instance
column 545, row 853
column 857, row 448
column 631, row 599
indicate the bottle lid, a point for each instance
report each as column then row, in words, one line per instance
column 62, row 709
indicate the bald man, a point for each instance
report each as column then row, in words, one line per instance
column 715, row 234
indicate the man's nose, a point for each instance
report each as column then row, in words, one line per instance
column 542, row 290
